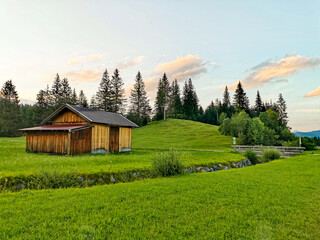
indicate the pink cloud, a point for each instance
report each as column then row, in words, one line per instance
column 314, row 93
column 91, row 58
column 182, row 68
column 83, row 75
column 273, row 70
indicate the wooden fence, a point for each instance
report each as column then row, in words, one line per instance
column 284, row 151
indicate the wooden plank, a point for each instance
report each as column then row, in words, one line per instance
column 68, row 117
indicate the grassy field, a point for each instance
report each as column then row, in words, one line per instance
column 277, row 200
column 181, row 134
column 15, row 161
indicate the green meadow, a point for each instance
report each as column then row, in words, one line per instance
column 146, row 141
column 180, row 134
column 276, row 200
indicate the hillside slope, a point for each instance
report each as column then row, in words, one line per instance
column 177, row 133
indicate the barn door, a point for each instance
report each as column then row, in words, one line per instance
column 114, row 139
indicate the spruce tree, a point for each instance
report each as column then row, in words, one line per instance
column 105, row 93
column 162, row 99
column 74, row 97
column 93, row 103
column 140, row 106
column 10, row 117
column 240, row 98
column 41, row 102
column 282, row 108
column 175, row 105
column 259, row 104
column 82, row 100
column 210, row 114
column 117, row 95
column 226, row 98
column 190, row 100
column 66, row 92
column 8, row 92
column 56, row 90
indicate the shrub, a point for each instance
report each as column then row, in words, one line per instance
column 252, row 156
column 270, row 154
column 167, row 163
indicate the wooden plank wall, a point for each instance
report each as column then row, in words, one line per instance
column 80, row 141
column 100, row 137
column 48, row 142
column 68, row 117
column 125, row 138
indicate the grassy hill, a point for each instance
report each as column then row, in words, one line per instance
column 277, row 200
column 177, row 133
column 158, row 135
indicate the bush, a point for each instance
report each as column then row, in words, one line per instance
column 252, row 156
column 167, row 164
column 270, row 154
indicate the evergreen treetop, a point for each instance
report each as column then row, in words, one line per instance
column 240, row 98
column 105, row 93
column 117, row 95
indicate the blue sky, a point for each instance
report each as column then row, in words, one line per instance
column 272, row 46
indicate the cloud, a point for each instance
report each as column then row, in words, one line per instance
column 125, row 63
column 85, row 75
column 281, row 81
column 91, row 58
column 190, row 66
column 75, row 60
column 183, row 68
column 314, row 93
column 271, row 71
column 94, row 57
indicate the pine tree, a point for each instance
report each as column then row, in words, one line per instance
column 162, row 99
column 210, row 114
column 41, row 102
column 74, row 97
column 82, row 100
column 93, row 103
column 190, row 100
column 240, row 98
column 8, row 92
column 259, row 104
column 56, row 90
column 105, row 93
column 140, row 106
column 10, row 117
column 226, row 98
column 175, row 105
column 282, row 107
column 66, row 92
column 117, row 96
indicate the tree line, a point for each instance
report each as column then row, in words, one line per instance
column 263, row 123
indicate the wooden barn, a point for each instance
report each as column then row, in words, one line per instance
column 73, row 130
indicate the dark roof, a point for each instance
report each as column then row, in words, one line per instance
column 95, row 116
column 70, row 128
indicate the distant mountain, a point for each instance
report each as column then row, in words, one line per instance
column 307, row 134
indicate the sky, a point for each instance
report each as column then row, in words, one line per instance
column 270, row 46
